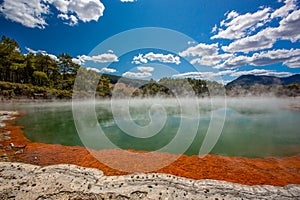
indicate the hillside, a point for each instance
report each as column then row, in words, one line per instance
column 250, row 80
column 251, row 85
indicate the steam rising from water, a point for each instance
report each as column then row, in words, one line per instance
column 254, row 127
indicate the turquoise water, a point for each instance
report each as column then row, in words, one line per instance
column 252, row 128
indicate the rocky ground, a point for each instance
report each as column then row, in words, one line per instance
column 24, row 181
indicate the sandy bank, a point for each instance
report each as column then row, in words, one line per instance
column 23, row 181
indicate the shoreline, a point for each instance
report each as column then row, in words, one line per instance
column 24, row 181
column 247, row 171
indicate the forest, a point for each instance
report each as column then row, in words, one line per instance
column 38, row 75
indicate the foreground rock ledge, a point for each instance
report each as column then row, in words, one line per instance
column 24, row 181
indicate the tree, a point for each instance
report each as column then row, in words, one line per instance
column 29, row 68
column 66, row 66
column 10, row 58
column 44, row 63
column 41, row 78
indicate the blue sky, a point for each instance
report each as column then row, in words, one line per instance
column 222, row 40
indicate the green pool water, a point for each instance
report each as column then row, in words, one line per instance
column 252, row 128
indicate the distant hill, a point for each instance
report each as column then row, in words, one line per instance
column 249, row 80
column 127, row 81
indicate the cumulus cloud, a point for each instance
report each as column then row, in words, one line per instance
column 234, row 62
column 145, row 69
column 29, row 50
column 101, row 58
column 214, row 29
column 28, row 13
column 33, row 13
column 70, row 20
column 251, row 43
column 168, row 58
column 76, row 61
column 137, row 74
column 283, row 11
column 262, row 72
column 103, row 70
column 288, row 29
column 205, row 54
column 144, row 72
column 203, row 75
column 236, row 26
column 290, row 58
column 211, row 60
column 248, row 50
column 85, row 10
column 107, row 70
column 139, row 59
column 93, row 69
column 201, row 50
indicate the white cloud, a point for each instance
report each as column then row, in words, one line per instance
column 290, row 58
column 28, row 13
column 145, row 69
column 234, row 62
column 85, row 10
column 93, row 69
column 53, row 57
column 76, row 61
column 144, row 72
column 33, row 13
column 108, row 70
column 251, row 43
column 101, row 58
column 211, row 60
column 103, row 70
column 34, row 51
column 283, row 11
column 262, row 72
column 206, row 54
column 71, row 20
column 168, row 58
column 203, row 75
column 214, row 29
column 232, row 14
column 201, row 50
column 236, row 26
column 139, row 59
column 137, row 74
column 288, row 28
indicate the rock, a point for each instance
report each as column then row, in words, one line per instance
column 19, row 151
column 7, row 115
column 24, row 181
column 7, row 133
column 3, row 155
column 5, row 138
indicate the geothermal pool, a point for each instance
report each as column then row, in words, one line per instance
column 253, row 127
